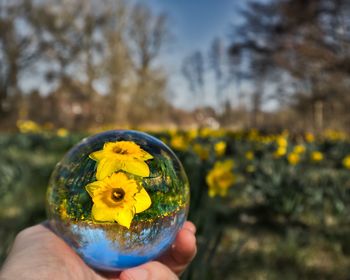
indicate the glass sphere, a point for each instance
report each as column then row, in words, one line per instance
column 118, row 199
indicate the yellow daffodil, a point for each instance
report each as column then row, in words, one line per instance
column 282, row 144
column 280, row 152
column 253, row 135
column 309, row 137
column 62, row 132
column 220, row 178
column 334, row 135
column 192, row 133
column 346, row 162
column 179, row 142
column 117, row 199
column 299, row 149
column 220, row 148
column 27, row 126
column 293, row 158
column 282, row 141
column 249, row 155
column 316, row 156
column 121, row 155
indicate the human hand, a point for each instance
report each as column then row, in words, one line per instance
column 38, row 253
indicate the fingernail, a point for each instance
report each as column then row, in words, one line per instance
column 138, row 274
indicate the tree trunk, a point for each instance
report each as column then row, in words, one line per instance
column 318, row 115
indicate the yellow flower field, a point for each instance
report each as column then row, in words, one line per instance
column 264, row 204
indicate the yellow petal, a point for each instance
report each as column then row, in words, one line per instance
column 131, row 188
column 146, row 156
column 103, row 214
column 94, row 187
column 106, row 167
column 124, row 217
column 98, row 155
column 136, row 167
column 143, row 201
column 118, row 179
column 108, row 145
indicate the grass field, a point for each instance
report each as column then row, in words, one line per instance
column 266, row 206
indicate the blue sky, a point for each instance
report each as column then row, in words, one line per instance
column 194, row 24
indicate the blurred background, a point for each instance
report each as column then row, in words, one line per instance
column 253, row 96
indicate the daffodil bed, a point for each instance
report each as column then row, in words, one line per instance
column 266, row 205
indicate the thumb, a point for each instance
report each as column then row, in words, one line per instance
column 152, row 270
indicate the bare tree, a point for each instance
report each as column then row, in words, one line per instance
column 18, row 50
column 193, row 70
column 77, row 48
column 298, row 46
column 226, row 71
column 217, row 59
column 116, row 63
column 147, row 34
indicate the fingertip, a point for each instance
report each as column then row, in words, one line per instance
column 184, row 248
column 190, row 226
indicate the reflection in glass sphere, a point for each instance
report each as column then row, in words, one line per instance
column 118, row 199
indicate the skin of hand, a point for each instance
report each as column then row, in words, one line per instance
column 38, row 253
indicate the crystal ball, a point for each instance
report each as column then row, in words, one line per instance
column 118, row 199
